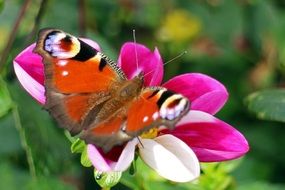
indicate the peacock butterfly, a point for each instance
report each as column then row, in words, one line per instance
column 89, row 95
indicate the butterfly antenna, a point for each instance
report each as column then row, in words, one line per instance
column 173, row 59
column 140, row 142
column 136, row 52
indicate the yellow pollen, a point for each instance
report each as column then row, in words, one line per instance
column 150, row 134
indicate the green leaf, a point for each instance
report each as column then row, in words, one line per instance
column 5, row 100
column 107, row 179
column 268, row 104
column 215, row 175
column 229, row 166
column 78, row 146
column 84, row 158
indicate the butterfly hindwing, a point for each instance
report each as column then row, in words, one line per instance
column 152, row 108
column 107, row 130
column 155, row 107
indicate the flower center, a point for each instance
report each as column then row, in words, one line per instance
column 150, row 134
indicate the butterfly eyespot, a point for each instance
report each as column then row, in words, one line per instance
column 173, row 107
column 61, row 45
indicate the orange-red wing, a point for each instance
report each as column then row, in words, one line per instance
column 69, row 110
column 155, row 107
column 72, row 66
column 72, row 111
column 107, row 128
column 142, row 113
column 76, row 106
column 77, row 77
column 81, row 77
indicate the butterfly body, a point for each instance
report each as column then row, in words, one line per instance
column 89, row 95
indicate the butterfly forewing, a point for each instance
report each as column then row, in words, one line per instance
column 77, row 77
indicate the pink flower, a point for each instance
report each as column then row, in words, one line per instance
column 174, row 154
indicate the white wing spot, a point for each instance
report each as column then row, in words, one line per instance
column 62, row 62
column 64, row 73
column 145, row 119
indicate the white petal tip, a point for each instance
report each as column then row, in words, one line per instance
column 171, row 158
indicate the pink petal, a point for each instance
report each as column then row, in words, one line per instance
column 210, row 138
column 205, row 93
column 150, row 63
column 102, row 163
column 29, row 69
column 31, row 63
column 32, row 86
column 97, row 159
column 127, row 156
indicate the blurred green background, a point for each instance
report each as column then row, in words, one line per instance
column 239, row 42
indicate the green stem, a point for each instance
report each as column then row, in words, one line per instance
column 23, row 140
column 21, row 131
